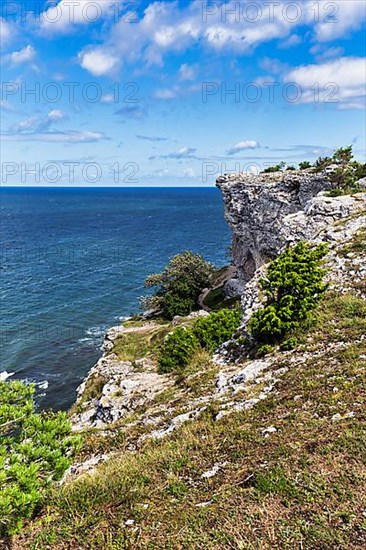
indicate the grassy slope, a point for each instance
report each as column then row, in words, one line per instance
column 303, row 486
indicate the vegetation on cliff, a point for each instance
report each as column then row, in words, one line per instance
column 207, row 333
column 343, row 170
column 34, row 450
column 293, row 287
column 178, row 285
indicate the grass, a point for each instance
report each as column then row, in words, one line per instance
column 303, row 486
column 134, row 345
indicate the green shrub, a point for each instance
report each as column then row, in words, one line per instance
column 293, row 288
column 207, row 333
column 216, row 328
column 304, row 165
column 322, row 163
column 178, row 285
column 177, row 350
column 264, row 349
column 276, row 168
column 34, row 450
column 346, row 173
column 289, row 344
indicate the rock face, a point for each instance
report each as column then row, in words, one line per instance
column 269, row 211
column 256, row 207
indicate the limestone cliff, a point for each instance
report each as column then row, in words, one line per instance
column 267, row 211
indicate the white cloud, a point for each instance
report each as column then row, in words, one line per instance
column 272, row 65
column 6, row 105
column 187, row 72
column 322, row 54
column 97, row 61
column 39, row 123
column 167, row 27
column 341, row 80
column 56, row 137
column 107, row 98
column 63, row 17
column 56, row 114
column 166, row 93
column 338, row 18
column 6, row 32
column 290, row 42
column 151, row 138
column 22, row 56
column 59, row 77
column 28, row 124
column 182, row 153
column 243, row 146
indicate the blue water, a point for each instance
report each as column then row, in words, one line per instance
column 73, row 263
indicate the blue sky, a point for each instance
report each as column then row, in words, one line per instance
column 112, row 92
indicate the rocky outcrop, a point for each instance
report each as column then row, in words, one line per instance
column 265, row 216
column 268, row 211
column 115, row 388
column 336, row 221
column 255, row 207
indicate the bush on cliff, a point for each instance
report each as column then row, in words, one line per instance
column 347, row 171
column 217, row 328
column 177, row 350
column 178, row 285
column 207, row 333
column 276, row 168
column 305, row 165
column 293, row 287
column 34, row 450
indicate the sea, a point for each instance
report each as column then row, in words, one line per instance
column 73, row 263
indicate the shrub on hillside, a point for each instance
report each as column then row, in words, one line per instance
column 216, row 328
column 177, row 350
column 305, row 165
column 207, row 333
column 293, row 288
column 276, row 168
column 34, row 450
column 178, row 285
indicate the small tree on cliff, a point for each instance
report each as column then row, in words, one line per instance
column 293, row 288
column 347, row 170
column 178, row 285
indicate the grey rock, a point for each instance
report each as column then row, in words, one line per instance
column 362, row 183
column 233, row 288
column 255, row 207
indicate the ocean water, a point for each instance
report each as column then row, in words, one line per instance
column 73, row 263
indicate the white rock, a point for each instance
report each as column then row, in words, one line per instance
column 270, row 430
